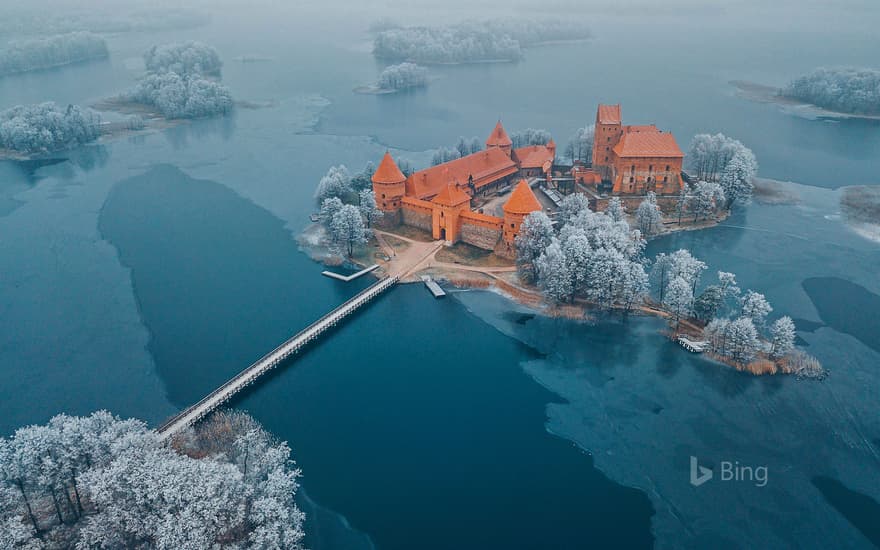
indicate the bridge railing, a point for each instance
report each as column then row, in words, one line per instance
column 288, row 347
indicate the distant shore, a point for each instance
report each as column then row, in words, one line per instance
column 762, row 93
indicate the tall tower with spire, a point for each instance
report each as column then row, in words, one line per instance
column 389, row 186
column 499, row 138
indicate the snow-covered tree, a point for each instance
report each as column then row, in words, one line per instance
column 682, row 204
column 715, row 332
column 782, row 337
column 683, row 264
column 529, row 136
column 182, row 96
column 367, row 206
column 336, row 183
column 185, row 58
column 706, row 198
column 535, row 235
column 659, row 275
column 54, row 51
column 444, row 155
column 553, row 276
column 579, row 259
column 466, row 146
column 329, row 208
column 632, row 286
column 843, row 89
column 403, row 76
column 742, row 342
column 679, row 299
column 755, row 306
column 363, row 179
column 648, row 215
column 708, row 303
column 616, row 209
column 46, row 127
column 571, row 206
column 580, row 146
column 347, row 227
column 737, row 178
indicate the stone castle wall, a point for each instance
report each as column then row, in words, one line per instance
column 417, row 213
column 480, row 230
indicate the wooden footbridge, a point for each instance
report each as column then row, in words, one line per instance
column 248, row 376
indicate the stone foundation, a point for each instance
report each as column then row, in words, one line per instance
column 479, row 236
column 389, row 220
column 416, row 218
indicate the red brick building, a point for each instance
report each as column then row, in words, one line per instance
column 635, row 159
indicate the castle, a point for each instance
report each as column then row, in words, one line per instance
column 439, row 199
column 628, row 160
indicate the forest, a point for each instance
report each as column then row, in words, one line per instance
column 102, row 482
column 492, row 40
column 55, row 51
column 46, row 127
column 842, row 89
column 176, row 82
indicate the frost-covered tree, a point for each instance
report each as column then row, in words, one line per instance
column 335, row 183
column 706, row 197
column 715, row 332
column 443, row 155
column 347, row 227
column 466, row 146
column 553, row 276
column 54, row 51
column 844, row 89
column 367, row 206
column 46, row 127
column 755, row 306
column 329, row 208
column 679, row 299
column 403, row 76
column 363, row 179
column 632, row 285
column 182, row 96
column 782, row 337
column 708, row 303
column 185, row 58
column 579, row 259
column 682, row 204
column 648, row 215
column 571, row 206
column 405, row 166
column 616, row 209
column 580, row 146
column 535, row 235
column 683, row 264
column 529, row 136
column 741, row 340
column 737, row 177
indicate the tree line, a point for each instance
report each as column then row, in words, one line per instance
column 102, row 482
column 492, row 40
column 843, row 89
column 54, row 51
column 46, row 127
column 176, row 82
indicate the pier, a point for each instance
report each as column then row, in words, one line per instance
column 248, row 376
column 691, row 345
column 353, row 276
column 433, row 287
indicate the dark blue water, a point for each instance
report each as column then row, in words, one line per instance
column 139, row 273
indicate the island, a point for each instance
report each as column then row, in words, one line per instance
column 567, row 239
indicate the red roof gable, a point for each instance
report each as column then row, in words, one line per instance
column 534, row 156
column 451, row 196
column 485, row 167
column 609, row 114
column 647, row 141
column 498, row 137
column 522, row 200
column 388, row 172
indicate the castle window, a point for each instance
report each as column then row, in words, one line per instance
column 608, row 138
column 667, row 168
column 606, row 159
column 441, row 213
column 383, row 195
column 633, row 169
column 512, row 225
column 665, row 179
column 650, row 168
column 632, row 179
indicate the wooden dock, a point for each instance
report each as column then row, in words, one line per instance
column 433, row 286
column 353, row 276
column 691, row 345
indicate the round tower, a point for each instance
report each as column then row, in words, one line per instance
column 521, row 203
column 389, row 185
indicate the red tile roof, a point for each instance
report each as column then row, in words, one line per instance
column 609, row 114
column 451, row 196
column 498, row 137
column 522, row 200
column 485, row 167
column 647, row 141
column 533, row 156
column 388, row 172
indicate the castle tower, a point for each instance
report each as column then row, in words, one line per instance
column 499, row 138
column 607, row 134
column 521, row 203
column 448, row 206
column 551, row 146
column 389, row 185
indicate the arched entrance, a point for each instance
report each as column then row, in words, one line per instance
column 442, row 233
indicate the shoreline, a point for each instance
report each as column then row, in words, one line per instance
column 761, row 93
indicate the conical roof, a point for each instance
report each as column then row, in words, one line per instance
column 451, row 196
column 522, row 200
column 498, row 137
column 388, row 172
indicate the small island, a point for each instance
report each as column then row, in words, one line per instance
column 396, row 78
column 568, row 239
column 55, row 51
